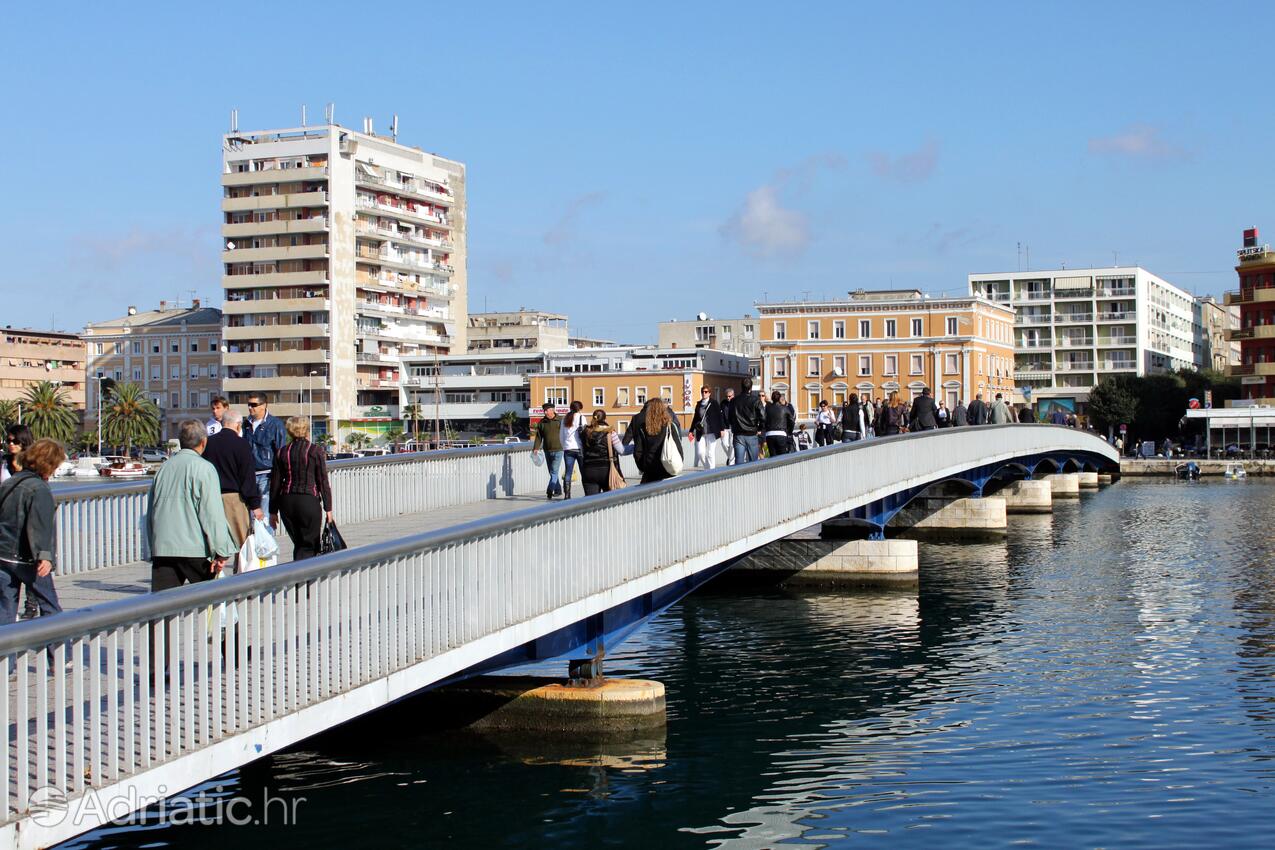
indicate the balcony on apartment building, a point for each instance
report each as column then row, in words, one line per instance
column 274, row 175
column 244, row 306
column 416, row 215
column 1248, row 296
column 1117, row 291
column 239, row 230
column 1032, row 344
column 1252, row 332
column 1265, row 369
column 1033, row 319
column 398, row 235
column 1075, row 366
column 1066, row 294
column 402, row 333
column 1075, row 342
column 1032, row 295
column 272, row 279
column 297, row 331
column 278, row 356
column 1117, row 316
column 1117, row 341
column 276, row 253
column 1072, row 317
column 419, row 188
column 275, row 202
column 1123, row 364
column 368, row 306
column 403, row 261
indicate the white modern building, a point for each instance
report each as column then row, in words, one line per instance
column 1073, row 327
column 525, row 330
column 343, row 251
column 468, row 392
column 734, row 336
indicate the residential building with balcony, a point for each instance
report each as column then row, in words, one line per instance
column 1073, row 327
column 620, row 380
column 734, row 336
column 28, row 357
column 873, row 343
column 468, row 393
column 344, row 252
column 524, row 330
column 1255, row 331
column 173, row 353
column 1216, row 322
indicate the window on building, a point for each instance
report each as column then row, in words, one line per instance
column 891, row 365
column 814, row 366
column 154, row 373
column 119, row 348
column 781, row 367
column 951, row 326
column 666, row 393
column 622, row 396
column 916, row 327
column 212, row 371
column 194, row 347
column 137, row 373
column 97, row 348
column 194, row 371
column 865, row 328
column 118, row 374
column 839, row 365
column 918, row 364
column 891, row 328
column 781, row 330
column 137, row 347
column 599, row 397
column 175, row 373
column 173, row 401
column 950, row 364
column 155, row 347
column 748, row 331
column 556, row 396
column 865, row 364
column 194, row 399
column 812, row 329
column 175, row 347
column 639, row 395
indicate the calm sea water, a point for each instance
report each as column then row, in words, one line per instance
column 1105, row 678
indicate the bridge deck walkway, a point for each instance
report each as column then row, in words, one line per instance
column 81, row 590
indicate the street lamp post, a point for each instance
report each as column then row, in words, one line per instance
column 99, row 414
column 309, row 408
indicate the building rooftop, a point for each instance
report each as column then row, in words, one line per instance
column 63, row 335
column 165, row 315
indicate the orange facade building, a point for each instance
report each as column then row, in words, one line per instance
column 873, row 343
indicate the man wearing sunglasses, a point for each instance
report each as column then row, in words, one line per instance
column 266, row 435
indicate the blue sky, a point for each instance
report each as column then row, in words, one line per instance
column 634, row 163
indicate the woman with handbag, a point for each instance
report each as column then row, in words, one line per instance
column 300, row 491
column 600, row 450
column 651, row 429
column 27, row 531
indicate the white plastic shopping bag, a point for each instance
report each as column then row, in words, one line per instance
column 259, row 549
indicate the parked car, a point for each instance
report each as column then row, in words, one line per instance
column 154, row 455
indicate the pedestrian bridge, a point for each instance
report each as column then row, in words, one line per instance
column 116, row 705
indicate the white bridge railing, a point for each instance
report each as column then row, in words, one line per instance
column 104, row 525
column 162, row 691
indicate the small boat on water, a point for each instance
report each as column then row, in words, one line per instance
column 65, row 470
column 86, row 467
column 1189, row 471
column 1235, row 470
column 122, row 467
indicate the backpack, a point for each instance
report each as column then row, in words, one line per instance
column 670, row 457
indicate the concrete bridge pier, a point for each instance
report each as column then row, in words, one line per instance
column 1027, row 497
column 1106, row 478
column 1087, row 480
column 1065, row 485
column 847, row 563
column 553, row 706
column 947, row 518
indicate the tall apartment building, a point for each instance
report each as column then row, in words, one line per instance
column 173, row 353
column 1073, row 327
column 28, row 357
column 736, row 336
column 344, row 251
column 877, row 342
column 1256, row 330
column 1216, row 321
column 525, row 330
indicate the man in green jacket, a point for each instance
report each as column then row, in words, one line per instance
column 190, row 539
column 549, row 439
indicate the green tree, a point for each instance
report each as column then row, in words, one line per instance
column 357, row 439
column 86, row 442
column 412, row 413
column 509, row 419
column 395, row 436
column 47, row 410
column 8, row 412
column 130, row 418
column 1161, row 404
column 1114, row 402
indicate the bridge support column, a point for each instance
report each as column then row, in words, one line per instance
column 1028, row 497
column 1088, row 480
column 1066, row 485
column 1106, row 478
column 535, row 704
column 954, row 518
column 851, row 563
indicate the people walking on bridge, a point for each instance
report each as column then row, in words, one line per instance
column 28, row 535
column 779, row 424
column 1025, row 414
column 943, row 416
column 960, row 415
column 893, row 418
column 747, row 421
column 18, row 438
column 231, row 456
column 266, row 437
column 854, row 419
column 190, row 540
column 708, row 427
column 922, row 417
column 650, row 429
column 999, row 414
column 824, row 421
column 728, row 443
column 299, row 490
column 548, row 438
column 600, row 450
column 218, row 407
column 1057, row 417
column 570, row 433
column 978, row 411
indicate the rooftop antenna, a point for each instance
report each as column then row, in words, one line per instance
column 234, row 120
column 1115, row 259
column 329, row 112
column 394, row 128
column 1020, row 256
column 303, row 115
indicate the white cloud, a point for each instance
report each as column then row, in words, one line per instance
column 763, row 226
column 1141, row 141
column 912, row 167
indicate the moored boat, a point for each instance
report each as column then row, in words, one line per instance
column 122, row 467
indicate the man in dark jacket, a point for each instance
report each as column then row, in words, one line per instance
column 231, row 456
column 747, row 418
column 924, row 414
column 708, row 428
column 959, row 414
column 854, row 419
column 266, row 436
column 1025, row 415
column 548, row 437
column 728, row 443
column 977, row 414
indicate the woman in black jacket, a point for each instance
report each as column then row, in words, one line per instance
column 649, row 429
column 779, row 425
column 600, row 447
column 299, row 490
column 28, row 537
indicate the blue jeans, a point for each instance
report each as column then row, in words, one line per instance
column 263, row 487
column 570, row 460
column 553, row 460
column 746, row 448
column 849, row 436
column 12, row 577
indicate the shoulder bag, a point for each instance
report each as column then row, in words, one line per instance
column 670, row 454
column 615, row 481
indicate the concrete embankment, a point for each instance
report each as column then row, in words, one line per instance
column 1166, row 466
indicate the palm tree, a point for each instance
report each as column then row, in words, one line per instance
column 130, row 418
column 86, row 442
column 357, row 439
column 412, row 413
column 47, row 410
column 509, row 419
column 394, row 436
column 8, row 412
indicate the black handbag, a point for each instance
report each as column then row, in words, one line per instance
column 331, row 539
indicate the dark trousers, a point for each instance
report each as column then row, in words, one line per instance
column 596, row 478
column 167, row 573
column 823, row 435
column 13, row 577
column 778, row 445
column 302, row 516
